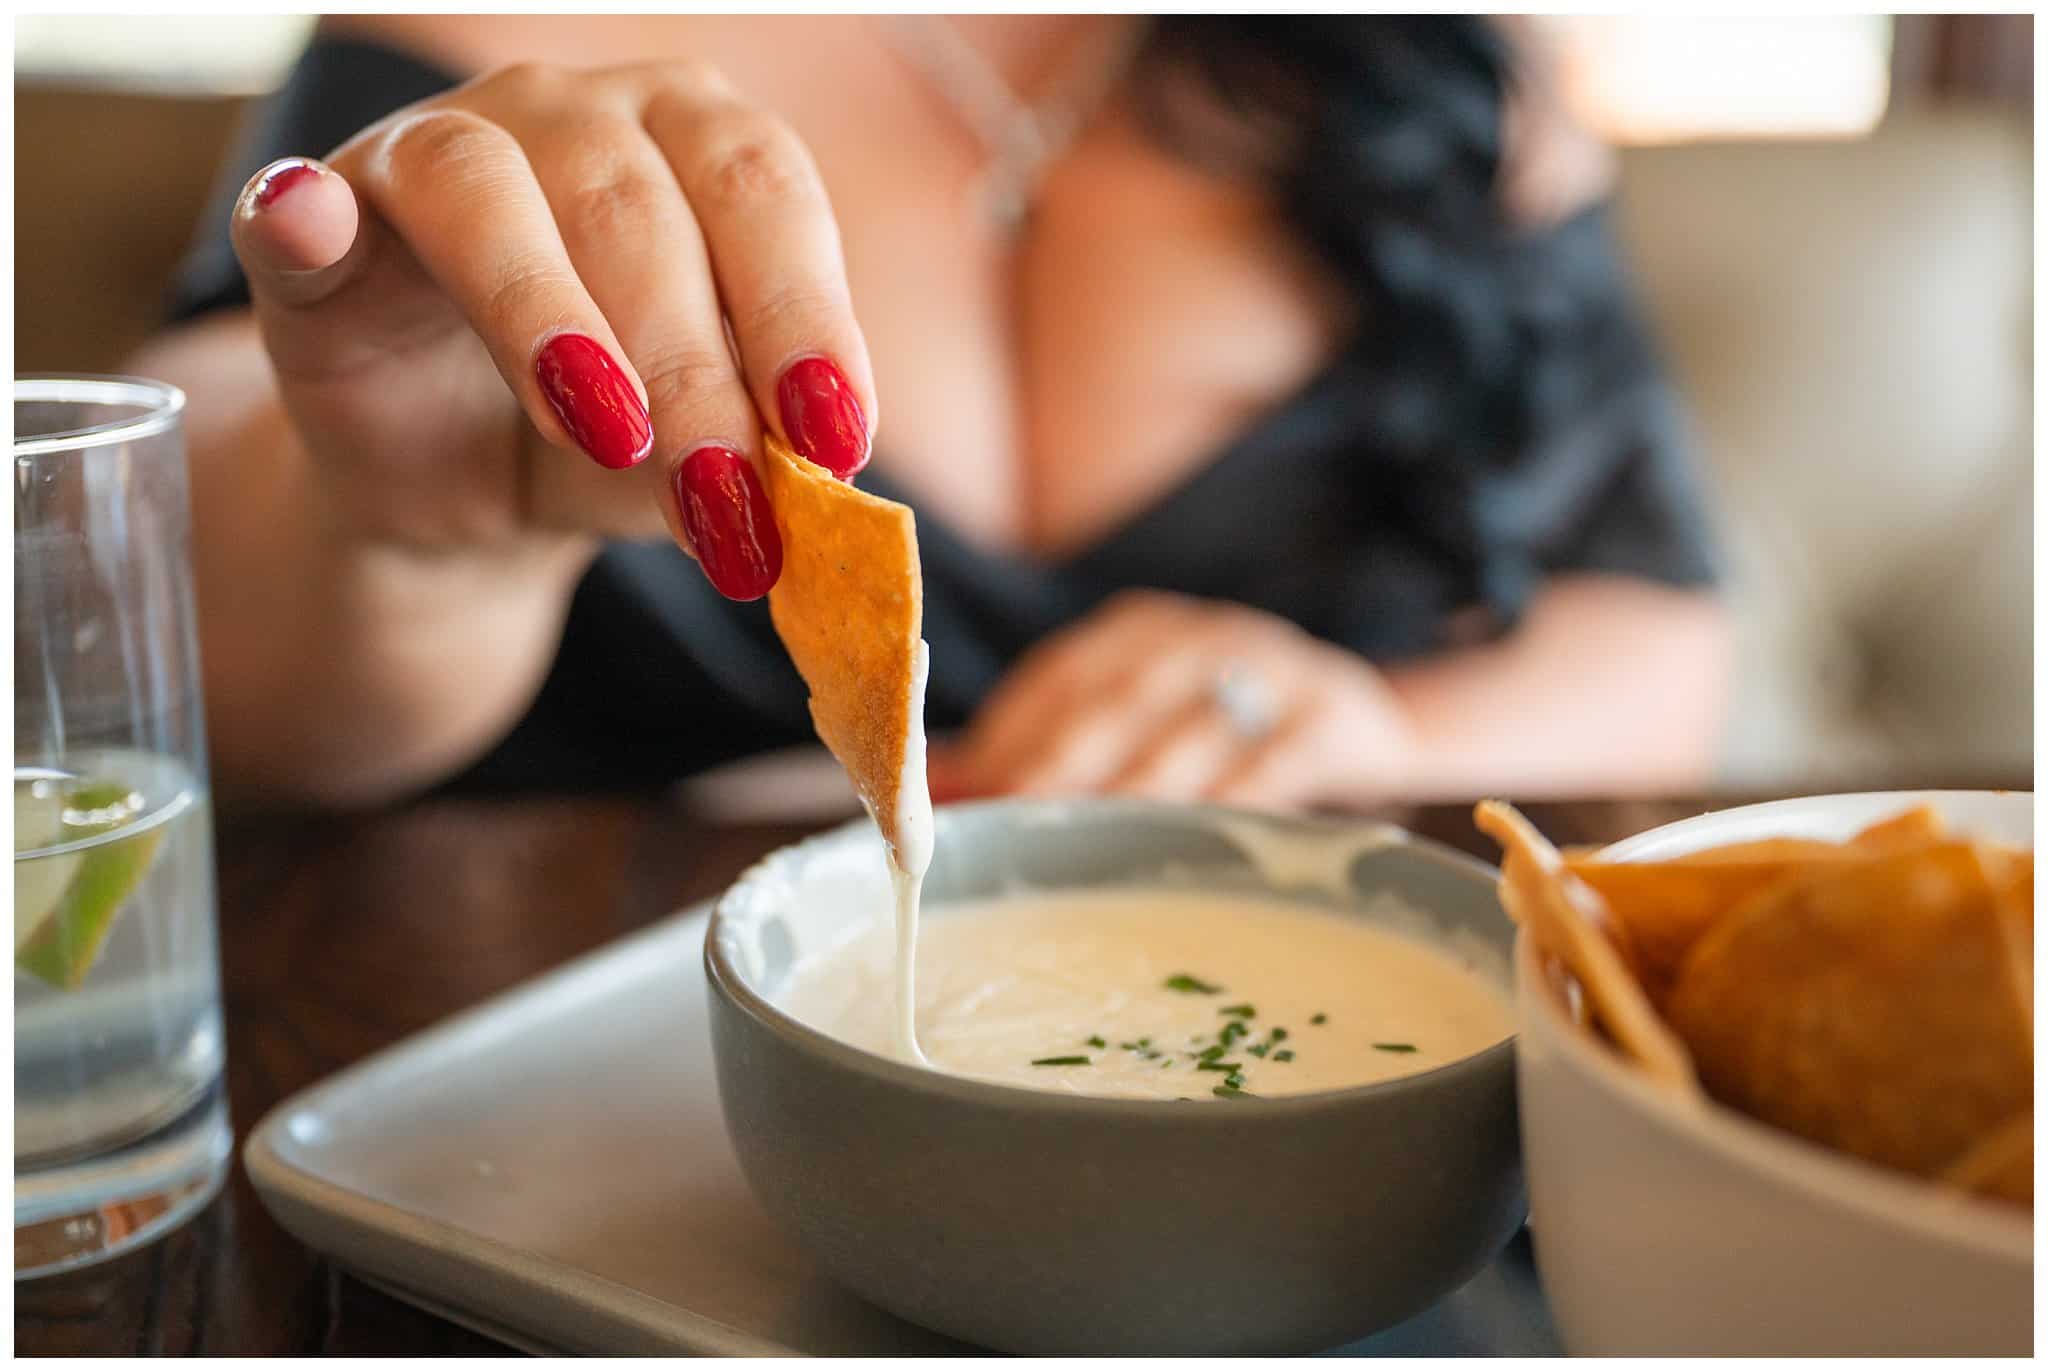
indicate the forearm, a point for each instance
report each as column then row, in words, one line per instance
column 339, row 671
column 1608, row 687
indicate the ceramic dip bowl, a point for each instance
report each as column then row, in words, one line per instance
column 1033, row 1222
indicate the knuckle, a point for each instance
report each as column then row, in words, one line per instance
column 753, row 157
column 746, row 173
column 621, row 204
column 685, row 380
column 1158, row 676
column 528, row 293
column 522, row 78
column 790, row 310
column 433, row 143
column 693, row 77
column 687, row 96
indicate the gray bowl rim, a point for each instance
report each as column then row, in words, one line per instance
column 727, row 982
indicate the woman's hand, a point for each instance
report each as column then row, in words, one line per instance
column 1163, row 696
column 483, row 308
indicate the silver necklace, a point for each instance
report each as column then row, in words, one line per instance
column 1021, row 141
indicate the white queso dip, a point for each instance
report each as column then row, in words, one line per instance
column 1158, row 995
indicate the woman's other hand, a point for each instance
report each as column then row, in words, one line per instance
column 498, row 317
column 1608, row 686
column 1179, row 699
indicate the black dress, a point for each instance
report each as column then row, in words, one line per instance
column 658, row 675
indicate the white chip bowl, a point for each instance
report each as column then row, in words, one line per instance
column 1663, row 1228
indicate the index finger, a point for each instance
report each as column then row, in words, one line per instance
column 459, row 191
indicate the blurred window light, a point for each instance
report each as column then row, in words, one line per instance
column 218, row 54
column 1670, row 79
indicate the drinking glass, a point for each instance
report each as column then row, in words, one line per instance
column 120, row 1117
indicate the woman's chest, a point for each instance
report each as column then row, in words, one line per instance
column 1040, row 389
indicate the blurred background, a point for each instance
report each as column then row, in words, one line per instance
column 1830, row 218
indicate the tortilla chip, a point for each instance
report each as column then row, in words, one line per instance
column 1870, row 1005
column 1911, row 829
column 849, row 607
column 2011, row 873
column 2000, row 1165
column 1666, row 906
column 1571, row 924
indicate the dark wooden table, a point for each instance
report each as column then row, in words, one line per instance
column 339, row 937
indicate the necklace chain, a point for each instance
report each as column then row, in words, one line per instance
column 1020, row 140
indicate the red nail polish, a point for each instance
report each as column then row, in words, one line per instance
column 594, row 400
column 282, row 180
column 726, row 514
column 822, row 417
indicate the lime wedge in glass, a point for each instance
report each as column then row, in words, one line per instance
column 65, row 902
column 39, row 883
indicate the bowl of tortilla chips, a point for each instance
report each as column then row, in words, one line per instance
column 1776, row 1077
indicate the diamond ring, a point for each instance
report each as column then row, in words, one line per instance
column 1245, row 699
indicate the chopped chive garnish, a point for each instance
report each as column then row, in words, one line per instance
column 1095, row 1041
column 1318, row 1019
column 1181, row 981
column 1212, row 1053
column 1229, row 1092
column 1277, row 1033
column 1284, row 1055
column 1241, row 1011
column 1259, row 1050
column 1395, row 1047
column 1072, row 1060
column 1232, row 1031
column 1234, row 1079
column 1217, row 1066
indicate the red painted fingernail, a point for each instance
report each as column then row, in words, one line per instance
column 594, row 400
column 726, row 514
column 822, row 417
column 282, row 180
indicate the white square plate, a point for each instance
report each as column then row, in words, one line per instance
column 551, row 1168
